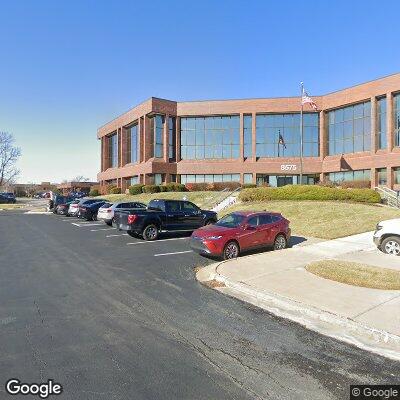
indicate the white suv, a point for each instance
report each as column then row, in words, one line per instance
column 387, row 236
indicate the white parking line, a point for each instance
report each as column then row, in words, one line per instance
column 171, row 254
column 121, row 234
column 157, row 241
column 103, row 229
column 80, row 225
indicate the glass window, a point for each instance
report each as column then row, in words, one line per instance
column 396, row 114
column 188, row 206
column 158, row 179
column 247, row 178
column 247, row 135
column 396, row 175
column 157, row 123
column 210, row 137
column 382, row 176
column 253, row 221
column 171, row 138
column 133, row 144
column 349, row 129
column 357, row 175
column 278, row 135
column 265, row 219
column 113, row 150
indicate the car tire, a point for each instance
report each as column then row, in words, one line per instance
column 391, row 245
column 150, row 232
column 280, row 242
column 231, row 250
column 109, row 223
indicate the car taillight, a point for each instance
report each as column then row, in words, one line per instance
column 109, row 210
column 132, row 219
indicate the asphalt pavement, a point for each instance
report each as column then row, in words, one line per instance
column 109, row 316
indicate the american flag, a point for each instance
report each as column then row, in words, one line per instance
column 281, row 141
column 306, row 99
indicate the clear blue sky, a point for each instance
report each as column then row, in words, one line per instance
column 67, row 67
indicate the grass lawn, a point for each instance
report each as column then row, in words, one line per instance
column 356, row 274
column 324, row 219
column 202, row 199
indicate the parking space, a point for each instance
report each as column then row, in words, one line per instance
column 167, row 245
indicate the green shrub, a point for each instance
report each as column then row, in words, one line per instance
column 163, row 188
column 94, row 193
column 109, row 189
column 249, row 185
column 136, row 189
column 310, row 192
column 150, row 189
column 175, row 187
column 115, row 190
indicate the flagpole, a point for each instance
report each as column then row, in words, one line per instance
column 301, row 133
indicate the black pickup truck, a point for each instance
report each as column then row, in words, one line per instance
column 163, row 216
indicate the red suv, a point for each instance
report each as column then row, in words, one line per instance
column 240, row 231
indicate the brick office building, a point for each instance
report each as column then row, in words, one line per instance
column 354, row 135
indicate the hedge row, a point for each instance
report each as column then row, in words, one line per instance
column 169, row 187
column 309, row 192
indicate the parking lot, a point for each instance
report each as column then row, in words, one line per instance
column 114, row 317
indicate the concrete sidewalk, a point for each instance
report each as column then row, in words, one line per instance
column 278, row 282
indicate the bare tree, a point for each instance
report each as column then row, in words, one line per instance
column 80, row 178
column 9, row 155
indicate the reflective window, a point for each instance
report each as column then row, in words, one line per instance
column 209, row 178
column 171, row 138
column 133, row 144
column 113, row 150
column 349, row 129
column 247, row 178
column 210, row 137
column 157, row 123
column 282, row 180
column 247, row 136
column 134, row 180
column 158, row 178
column 396, row 175
column 381, row 135
column 382, row 176
column 278, row 135
column 396, row 113
column 357, row 175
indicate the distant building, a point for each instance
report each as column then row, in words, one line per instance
column 68, row 187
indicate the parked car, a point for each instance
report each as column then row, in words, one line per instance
column 73, row 210
column 241, row 231
column 57, row 200
column 7, row 198
column 163, row 216
column 387, row 236
column 89, row 211
column 106, row 211
column 62, row 209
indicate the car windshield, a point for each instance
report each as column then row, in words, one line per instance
column 231, row 220
column 106, row 205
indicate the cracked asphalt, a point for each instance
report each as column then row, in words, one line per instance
column 109, row 320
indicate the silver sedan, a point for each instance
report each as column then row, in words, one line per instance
column 106, row 211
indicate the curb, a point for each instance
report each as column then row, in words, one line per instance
column 338, row 327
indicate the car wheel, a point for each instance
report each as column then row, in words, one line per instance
column 94, row 218
column 391, row 245
column 150, row 232
column 280, row 242
column 231, row 250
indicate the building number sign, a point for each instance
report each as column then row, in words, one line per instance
column 288, row 167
